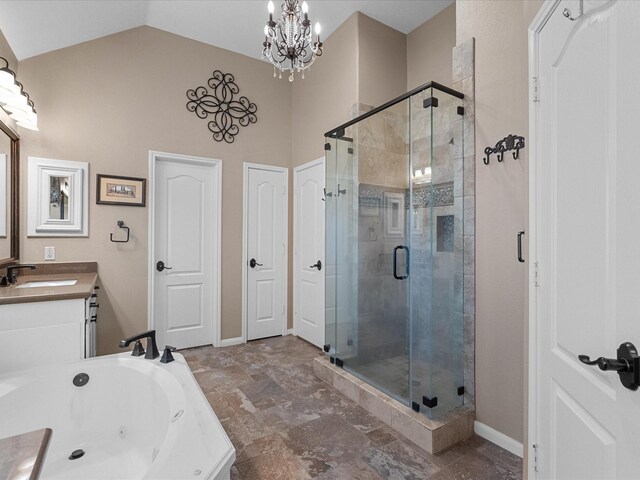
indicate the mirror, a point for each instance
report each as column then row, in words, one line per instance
column 8, row 193
column 58, row 198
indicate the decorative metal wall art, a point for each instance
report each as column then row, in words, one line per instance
column 222, row 103
column 512, row 142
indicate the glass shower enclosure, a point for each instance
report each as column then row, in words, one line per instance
column 394, row 248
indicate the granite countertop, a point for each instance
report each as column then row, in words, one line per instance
column 83, row 288
column 21, row 456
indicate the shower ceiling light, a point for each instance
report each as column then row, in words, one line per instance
column 288, row 42
column 15, row 101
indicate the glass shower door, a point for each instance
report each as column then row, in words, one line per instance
column 375, row 221
column 437, row 264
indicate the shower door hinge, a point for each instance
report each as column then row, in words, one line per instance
column 430, row 102
column 327, row 146
column 339, row 363
column 536, row 89
column 326, row 348
column 430, row 402
column 415, row 406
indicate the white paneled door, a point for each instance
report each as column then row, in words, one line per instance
column 185, row 256
column 309, row 261
column 266, row 250
column 585, row 193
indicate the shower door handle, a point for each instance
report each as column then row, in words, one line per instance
column 395, row 263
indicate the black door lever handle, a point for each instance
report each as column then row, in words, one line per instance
column 253, row 263
column 606, row 364
column 160, row 266
column 627, row 365
column 586, row 360
column 317, row 265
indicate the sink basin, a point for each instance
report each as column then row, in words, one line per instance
column 48, row 283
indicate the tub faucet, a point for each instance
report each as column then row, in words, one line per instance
column 10, row 279
column 152, row 349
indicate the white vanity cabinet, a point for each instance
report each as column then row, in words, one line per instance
column 47, row 332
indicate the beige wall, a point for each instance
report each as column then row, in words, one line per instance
column 382, row 62
column 7, row 52
column 500, row 30
column 109, row 101
column 323, row 100
column 429, row 49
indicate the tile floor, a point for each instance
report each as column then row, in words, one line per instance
column 285, row 423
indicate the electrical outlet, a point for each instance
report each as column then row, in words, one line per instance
column 49, row 253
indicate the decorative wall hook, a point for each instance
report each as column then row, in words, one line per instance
column 123, row 227
column 512, row 142
column 228, row 110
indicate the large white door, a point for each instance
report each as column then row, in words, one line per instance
column 585, row 193
column 309, row 259
column 185, row 250
column 266, row 229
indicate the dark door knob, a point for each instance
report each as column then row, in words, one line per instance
column 253, row 263
column 627, row 365
column 160, row 266
column 317, row 265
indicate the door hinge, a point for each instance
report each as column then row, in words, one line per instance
column 536, row 274
column 536, row 89
column 535, row 457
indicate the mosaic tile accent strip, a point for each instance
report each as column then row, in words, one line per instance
column 442, row 195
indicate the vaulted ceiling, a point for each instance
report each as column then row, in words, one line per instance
column 33, row 27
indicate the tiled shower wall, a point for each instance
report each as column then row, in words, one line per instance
column 464, row 81
column 380, row 145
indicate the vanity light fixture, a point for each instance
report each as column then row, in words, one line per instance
column 15, row 101
column 422, row 176
column 288, row 43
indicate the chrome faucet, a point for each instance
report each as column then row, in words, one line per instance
column 152, row 349
column 10, row 278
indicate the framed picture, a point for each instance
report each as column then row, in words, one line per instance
column 116, row 190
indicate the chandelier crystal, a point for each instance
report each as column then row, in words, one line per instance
column 288, row 43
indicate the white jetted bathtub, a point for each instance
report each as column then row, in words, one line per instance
column 134, row 419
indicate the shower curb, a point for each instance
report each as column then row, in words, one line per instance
column 431, row 435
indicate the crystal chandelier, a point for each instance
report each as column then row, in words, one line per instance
column 288, row 43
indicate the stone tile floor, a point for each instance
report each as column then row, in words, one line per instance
column 285, row 423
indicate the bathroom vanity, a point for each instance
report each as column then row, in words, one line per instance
column 49, row 317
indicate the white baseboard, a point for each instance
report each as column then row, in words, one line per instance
column 227, row 342
column 498, row 438
column 290, row 332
